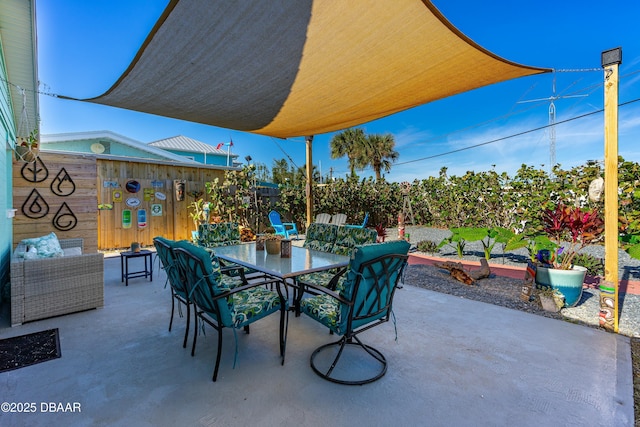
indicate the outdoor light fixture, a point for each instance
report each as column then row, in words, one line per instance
column 612, row 56
column 248, row 158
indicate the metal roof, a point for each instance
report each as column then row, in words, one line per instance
column 184, row 143
column 103, row 134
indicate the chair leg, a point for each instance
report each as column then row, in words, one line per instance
column 173, row 307
column 215, row 370
column 379, row 357
column 186, row 332
column 195, row 330
column 284, row 329
column 246, row 329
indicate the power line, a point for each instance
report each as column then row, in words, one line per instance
column 512, row 136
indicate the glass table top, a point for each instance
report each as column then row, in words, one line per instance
column 302, row 260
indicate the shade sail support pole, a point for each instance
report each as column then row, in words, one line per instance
column 309, row 186
column 609, row 315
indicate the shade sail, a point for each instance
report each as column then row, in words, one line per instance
column 301, row 67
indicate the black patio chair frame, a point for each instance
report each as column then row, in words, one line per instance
column 208, row 311
column 177, row 282
column 374, row 309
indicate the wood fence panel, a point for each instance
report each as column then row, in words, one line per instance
column 171, row 218
column 95, row 180
column 54, row 193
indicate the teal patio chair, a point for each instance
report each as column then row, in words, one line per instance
column 363, row 225
column 214, row 235
column 218, row 234
column 362, row 301
column 282, row 228
column 344, row 241
column 221, row 306
column 175, row 279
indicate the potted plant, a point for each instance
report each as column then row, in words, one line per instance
column 555, row 266
column 550, row 299
column 27, row 147
column 199, row 212
column 271, row 242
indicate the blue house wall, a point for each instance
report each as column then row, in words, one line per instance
column 207, row 159
column 7, row 133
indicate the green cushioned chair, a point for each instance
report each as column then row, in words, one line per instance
column 348, row 238
column 219, row 234
column 222, row 234
column 364, row 301
column 177, row 282
column 223, row 307
column 321, row 237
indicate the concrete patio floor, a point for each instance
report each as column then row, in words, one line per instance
column 455, row 362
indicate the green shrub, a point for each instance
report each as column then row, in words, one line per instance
column 594, row 265
column 427, row 246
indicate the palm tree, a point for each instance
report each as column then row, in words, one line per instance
column 379, row 153
column 349, row 143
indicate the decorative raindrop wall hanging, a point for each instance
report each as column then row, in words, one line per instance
column 35, row 207
column 62, row 185
column 35, row 171
column 64, row 219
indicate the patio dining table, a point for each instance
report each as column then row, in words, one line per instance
column 302, row 261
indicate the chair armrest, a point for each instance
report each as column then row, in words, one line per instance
column 72, row 243
column 247, row 286
column 330, row 288
column 225, row 269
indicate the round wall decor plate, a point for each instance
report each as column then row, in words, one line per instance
column 132, row 186
column 161, row 196
column 97, row 148
column 133, row 202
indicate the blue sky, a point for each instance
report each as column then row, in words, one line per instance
column 83, row 47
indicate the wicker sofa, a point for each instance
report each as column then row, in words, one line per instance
column 47, row 287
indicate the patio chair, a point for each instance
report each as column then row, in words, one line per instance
column 218, row 234
column 221, row 306
column 339, row 219
column 344, row 241
column 363, row 225
column 323, row 218
column 214, row 235
column 175, row 279
column 363, row 301
column 283, row 228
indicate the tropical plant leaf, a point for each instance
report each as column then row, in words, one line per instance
column 634, row 251
column 470, row 234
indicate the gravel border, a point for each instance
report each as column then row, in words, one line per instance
column 505, row 292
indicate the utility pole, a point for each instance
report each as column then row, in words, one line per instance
column 552, row 120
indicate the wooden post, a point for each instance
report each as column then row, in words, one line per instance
column 611, row 59
column 309, row 186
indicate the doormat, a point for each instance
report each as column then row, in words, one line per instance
column 26, row 350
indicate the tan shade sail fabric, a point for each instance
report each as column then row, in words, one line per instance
column 301, row 67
